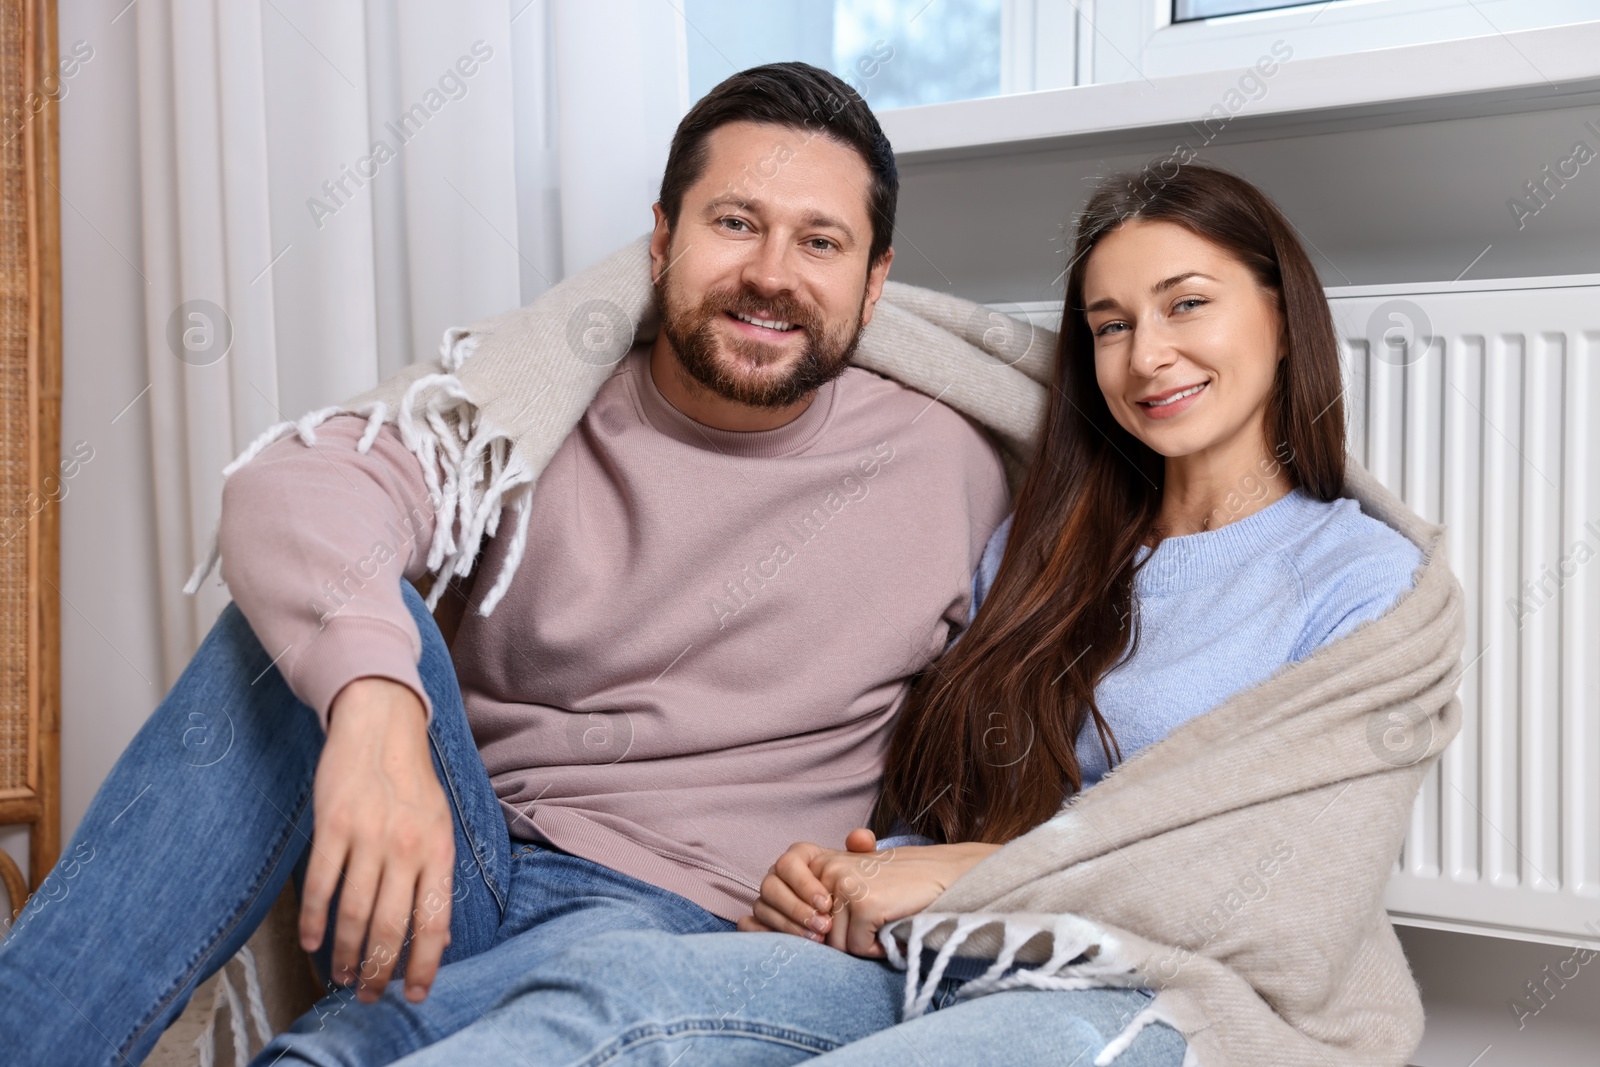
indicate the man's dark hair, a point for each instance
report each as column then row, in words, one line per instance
column 801, row 97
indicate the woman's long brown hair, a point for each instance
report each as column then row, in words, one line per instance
column 984, row 748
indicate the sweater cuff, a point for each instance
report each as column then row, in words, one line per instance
column 353, row 647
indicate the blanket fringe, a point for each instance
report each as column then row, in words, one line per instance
column 1070, row 939
column 519, row 540
column 305, row 428
column 205, row 1045
column 1015, row 938
column 1123, row 1041
column 471, row 469
column 207, row 565
column 482, row 473
column 917, row 1001
column 375, row 419
column 458, row 344
column 1057, row 972
column 253, row 996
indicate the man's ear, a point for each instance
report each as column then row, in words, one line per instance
column 660, row 242
column 875, row 279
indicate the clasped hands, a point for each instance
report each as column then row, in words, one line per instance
column 843, row 898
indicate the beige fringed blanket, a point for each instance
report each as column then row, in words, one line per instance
column 1237, row 866
column 506, row 391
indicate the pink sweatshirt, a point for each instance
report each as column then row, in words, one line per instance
column 702, row 653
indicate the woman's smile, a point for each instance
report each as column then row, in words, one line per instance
column 1172, row 402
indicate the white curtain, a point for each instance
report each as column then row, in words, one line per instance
column 333, row 183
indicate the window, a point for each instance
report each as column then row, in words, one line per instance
column 1189, row 10
column 897, row 53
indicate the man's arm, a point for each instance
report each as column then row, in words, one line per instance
column 314, row 543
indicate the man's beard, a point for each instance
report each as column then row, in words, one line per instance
column 693, row 333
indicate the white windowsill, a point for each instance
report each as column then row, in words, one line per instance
column 1522, row 71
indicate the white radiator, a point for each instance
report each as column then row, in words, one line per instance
column 1477, row 403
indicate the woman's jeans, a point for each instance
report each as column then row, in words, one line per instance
column 201, row 823
column 644, row 999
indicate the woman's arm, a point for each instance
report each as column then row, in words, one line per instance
column 847, row 897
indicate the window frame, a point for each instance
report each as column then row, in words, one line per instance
column 1138, row 39
column 1267, row 5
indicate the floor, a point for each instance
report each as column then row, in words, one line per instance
column 1470, row 984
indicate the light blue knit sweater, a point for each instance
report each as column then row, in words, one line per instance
column 1223, row 610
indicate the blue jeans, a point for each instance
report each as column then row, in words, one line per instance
column 766, row 1000
column 198, row 827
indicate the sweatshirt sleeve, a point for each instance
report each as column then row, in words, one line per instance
column 314, row 544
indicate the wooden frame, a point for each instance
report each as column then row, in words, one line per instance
column 36, row 802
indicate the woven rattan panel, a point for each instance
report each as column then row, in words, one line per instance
column 17, row 505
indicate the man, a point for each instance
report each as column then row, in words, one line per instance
column 733, row 568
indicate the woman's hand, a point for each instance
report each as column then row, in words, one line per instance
column 793, row 898
column 846, row 897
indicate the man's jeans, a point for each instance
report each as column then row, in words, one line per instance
column 201, row 823
column 645, row 999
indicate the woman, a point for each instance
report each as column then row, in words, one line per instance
column 1142, row 578
column 1180, row 538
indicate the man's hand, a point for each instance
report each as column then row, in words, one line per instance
column 382, row 819
column 847, row 897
